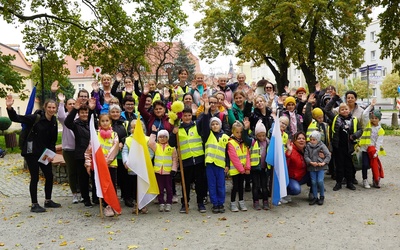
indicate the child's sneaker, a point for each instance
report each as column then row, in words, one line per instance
column 201, row 208
column 215, row 209
column 242, row 206
column 167, row 208
column 36, row 208
column 75, row 199
column 108, row 211
column 256, row 205
column 183, row 209
column 221, row 209
column 321, row 200
column 161, row 208
column 266, row 205
column 175, row 199
column 366, row 184
column 234, row 208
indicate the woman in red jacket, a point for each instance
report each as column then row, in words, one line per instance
column 297, row 167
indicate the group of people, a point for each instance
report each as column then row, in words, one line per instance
column 223, row 130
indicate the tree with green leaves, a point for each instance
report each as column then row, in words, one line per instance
column 360, row 87
column 312, row 34
column 53, row 69
column 10, row 79
column 110, row 34
column 389, row 87
column 389, row 35
column 183, row 61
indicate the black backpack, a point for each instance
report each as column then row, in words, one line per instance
column 26, row 132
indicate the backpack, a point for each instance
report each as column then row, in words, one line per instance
column 26, row 132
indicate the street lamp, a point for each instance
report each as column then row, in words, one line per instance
column 41, row 50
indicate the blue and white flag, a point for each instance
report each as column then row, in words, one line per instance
column 31, row 104
column 276, row 158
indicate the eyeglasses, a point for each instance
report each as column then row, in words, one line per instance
column 268, row 87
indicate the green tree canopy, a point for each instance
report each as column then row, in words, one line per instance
column 105, row 33
column 311, row 34
column 360, row 87
column 10, row 79
column 53, row 69
column 183, row 61
column 389, row 87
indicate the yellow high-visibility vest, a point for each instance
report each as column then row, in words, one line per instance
column 215, row 149
column 241, row 153
column 106, row 145
column 190, row 143
column 163, row 159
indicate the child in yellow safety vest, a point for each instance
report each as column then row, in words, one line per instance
column 165, row 166
column 109, row 142
column 371, row 145
column 239, row 165
column 215, row 157
column 259, row 169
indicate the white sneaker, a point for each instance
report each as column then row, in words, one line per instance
column 288, row 198
column 80, row 199
column 242, row 206
column 161, row 208
column 234, row 208
column 283, row 201
column 366, row 184
column 175, row 199
column 167, row 208
column 75, row 199
column 108, row 211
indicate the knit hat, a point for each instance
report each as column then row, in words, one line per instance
column 260, row 128
column 316, row 135
column 377, row 114
column 289, row 99
column 163, row 132
column 301, row 89
column 317, row 112
column 215, row 119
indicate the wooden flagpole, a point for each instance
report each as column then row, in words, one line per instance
column 137, row 200
column 182, row 173
column 101, row 207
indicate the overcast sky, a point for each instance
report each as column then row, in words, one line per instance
column 14, row 36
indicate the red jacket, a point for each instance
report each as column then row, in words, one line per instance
column 297, row 167
column 375, row 164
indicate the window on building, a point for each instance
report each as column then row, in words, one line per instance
column 81, row 86
column 354, row 74
column 373, row 36
column 79, row 69
column 373, row 92
column 384, row 72
column 373, row 55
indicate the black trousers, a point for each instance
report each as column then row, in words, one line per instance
column 196, row 174
column 85, row 179
column 344, row 165
column 33, row 166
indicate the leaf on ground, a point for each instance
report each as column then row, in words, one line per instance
column 87, row 214
column 108, row 226
column 269, row 235
column 179, row 238
column 204, row 221
column 369, row 222
column 111, row 232
column 2, row 244
column 61, row 236
column 222, row 234
column 64, row 243
column 90, row 239
column 165, row 229
column 331, row 212
column 222, row 218
column 282, row 222
column 167, row 221
column 187, row 231
column 133, row 247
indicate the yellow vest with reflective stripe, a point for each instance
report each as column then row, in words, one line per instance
column 215, row 149
column 156, row 97
column 365, row 139
column 255, row 154
column 179, row 92
column 313, row 127
column 241, row 153
column 355, row 121
column 190, row 143
column 163, row 159
column 106, row 145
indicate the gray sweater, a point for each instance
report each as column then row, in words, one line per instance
column 311, row 154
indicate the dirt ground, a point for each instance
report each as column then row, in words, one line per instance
column 360, row 219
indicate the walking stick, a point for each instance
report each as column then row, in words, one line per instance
column 101, row 208
column 182, row 174
column 137, row 203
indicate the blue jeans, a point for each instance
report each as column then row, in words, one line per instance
column 294, row 186
column 216, row 184
column 317, row 183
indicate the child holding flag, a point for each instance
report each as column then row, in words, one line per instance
column 108, row 140
column 239, row 165
column 165, row 166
